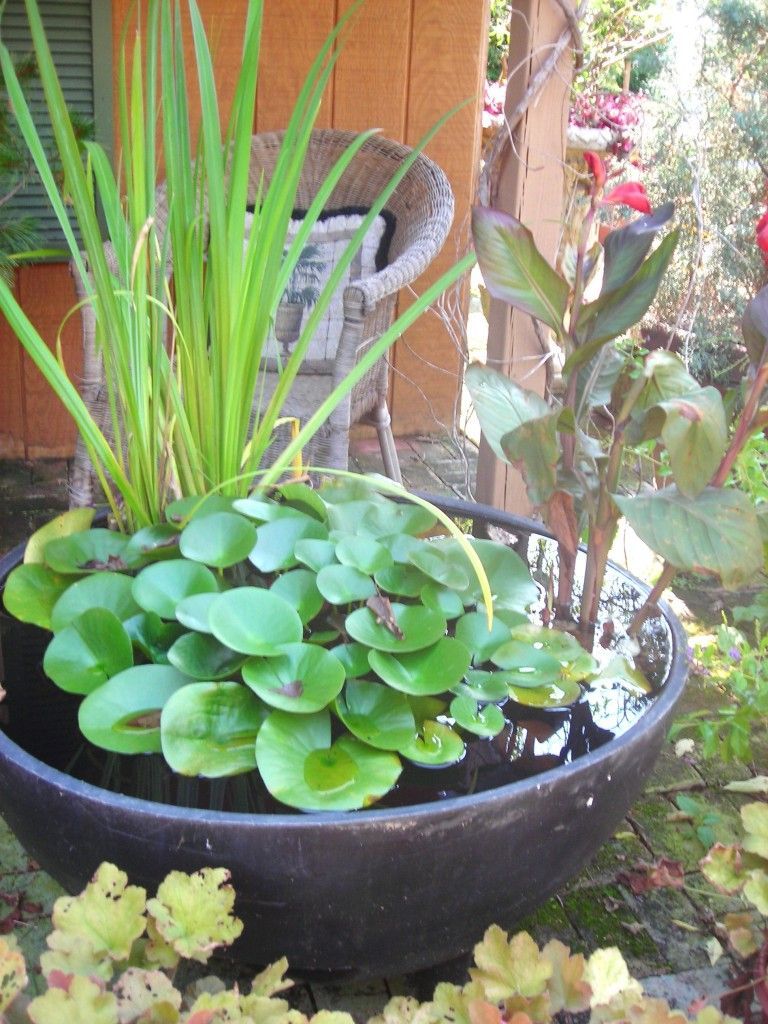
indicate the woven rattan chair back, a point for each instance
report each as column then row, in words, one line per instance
column 422, row 211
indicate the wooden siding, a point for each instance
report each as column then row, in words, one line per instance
column 405, row 63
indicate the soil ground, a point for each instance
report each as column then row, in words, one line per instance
column 663, row 933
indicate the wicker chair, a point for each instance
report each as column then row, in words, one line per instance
column 422, row 208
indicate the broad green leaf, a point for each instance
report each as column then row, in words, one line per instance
column 597, row 378
column 123, row 715
column 363, row 553
column 626, row 248
column 220, row 540
column 302, row 679
column 534, row 449
column 667, row 378
column 72, row 521
column 193, row 611
column 160, row 587
column 575, row 661
column 695, row 433
column 195, row 507
column 392, row 517
column 717, row 532
column 110, row 590
column 96, row 929
column 201, row 656
column 299, row 588
column 32, row 591
column 472, row 630
column 444, row 566
column 436, row 744
column 484, row 686
column 89, row 551
column 486, row 721
column 376, row 714
column 560, row 694
column 515, row 271
column 425, row 672
column 354, row 658
column 275, row 547
column 444, row 600
column 413, row 628
column 510, row 581
column 194, row 913
column 615, row 312
column 402, row 580
column 302, row 768
column 620, row 671
column 153, row 543
column 526, row 664
column 87, row 652
column 343, row 584
column 304, row 499
column 501, row 404
column 210, row 729
column 315, row 553
column 152, row 636
column 754, row 326
column 254, row 621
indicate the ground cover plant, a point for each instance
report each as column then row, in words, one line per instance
column 114, row 955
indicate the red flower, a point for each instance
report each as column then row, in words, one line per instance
column 761, row 236
column 596, row 168
column 631, row 193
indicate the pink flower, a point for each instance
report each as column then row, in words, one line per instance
column 631, row 193
column 761, row 236
column 596, row 168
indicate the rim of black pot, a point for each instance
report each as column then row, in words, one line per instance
column 675, row 681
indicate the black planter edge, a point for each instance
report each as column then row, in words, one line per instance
column 660, row 708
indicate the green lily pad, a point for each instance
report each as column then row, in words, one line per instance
column 551, row 695
column 110, row 590
column 508, row 575
column 201, row 656
column 527, row 665
column 403, row 580
column 484, row 686
column 472, row 630
column 74, row 520
column 153, row 544
column 160, row 587
column 343, row 584
column 441, row 565
column 354, row 658
column 442, row 599
column 275, row 547
column 210, row 729
column 304, row 678
column 32, row 591
column 302, row 769
column 299, row 588
column 425, row 708
column 575, row 661
column 398, row 517
column 436, row 745
column 261, row 510
column 348, row 517
column 363, row 553
column 424, row 672
column 83, row 655
column 304, row 499
column 486, row 721
column 195, row 507
column 254, row 621
column 315, row 554
column 402, row 545
column 376, row 714
column 152, row 635
column 123, row 715
column 220, row 539
column 90, row 551
column 415, row 627
column 619, row 671
column 193, row 611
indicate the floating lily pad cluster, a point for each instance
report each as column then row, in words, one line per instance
column 320, row 637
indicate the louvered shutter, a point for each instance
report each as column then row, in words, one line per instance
column 69, row 29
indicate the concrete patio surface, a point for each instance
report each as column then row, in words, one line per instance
column 662, row 932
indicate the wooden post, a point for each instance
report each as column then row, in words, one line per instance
column 531, row 187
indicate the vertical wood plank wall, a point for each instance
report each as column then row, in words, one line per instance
column 405, row 63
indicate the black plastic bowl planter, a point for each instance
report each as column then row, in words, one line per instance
column 364, row 893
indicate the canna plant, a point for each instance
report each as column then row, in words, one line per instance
column 570, row 449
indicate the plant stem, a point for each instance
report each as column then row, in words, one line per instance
column 745, row 426
column 650, row 607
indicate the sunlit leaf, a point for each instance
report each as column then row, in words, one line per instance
column 31, row 593
column 221, row 539
column 299, row 588
column 194, row 913
column 376, row 714
column 160, row 587
column 275, row 547
column 414, row 628
column 201, row 656
column 424, row 672
column 89, row 551
column 84, row 654
column 109, row 590
column 501, row 404
column 482, row 721
column 343, row 584
column 254, row 621
column 302, row 679
column 435, row 744
column 72, row 521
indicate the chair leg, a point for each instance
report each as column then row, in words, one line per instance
column 381, row 420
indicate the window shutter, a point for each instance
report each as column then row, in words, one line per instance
column 69, row 29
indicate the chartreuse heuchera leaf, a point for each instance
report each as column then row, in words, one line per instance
column 193, row 913
column 13, row 972
column 320, row 639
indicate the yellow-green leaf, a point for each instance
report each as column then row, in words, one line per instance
column 194, row 912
